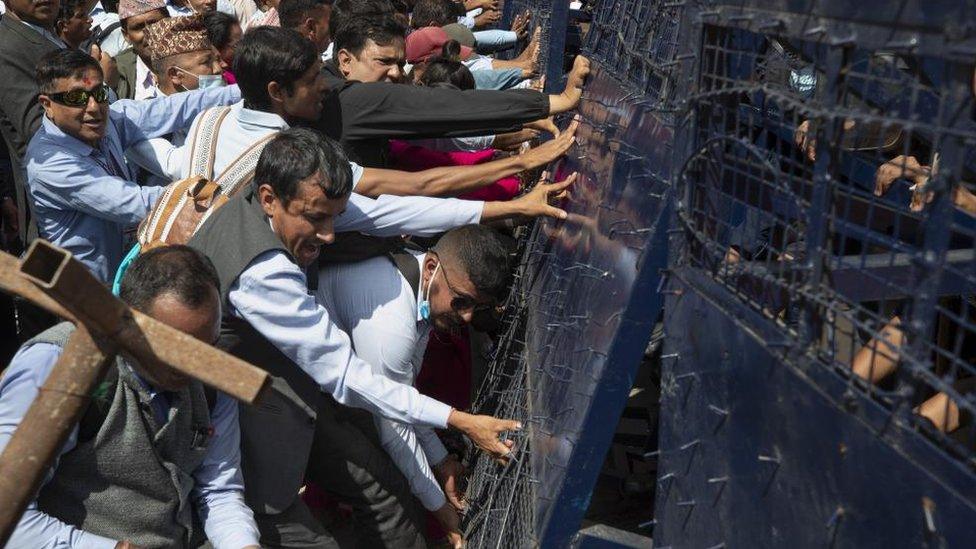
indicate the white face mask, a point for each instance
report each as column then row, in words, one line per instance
column 205, row 81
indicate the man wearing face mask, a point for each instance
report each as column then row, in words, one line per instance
column 388, row 306
column 181, row 55
column 182, row 59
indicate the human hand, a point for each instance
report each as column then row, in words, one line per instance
column 900, row 167
column 544, row 125
column 538, row 201
column 554, row 148
column 448, row 474
column 127, row 545
column 520, row 25
column 448, row 517
column 487, row 17
column 530, row 57
column 805, row 140
column 485, row 430
column 575, row 80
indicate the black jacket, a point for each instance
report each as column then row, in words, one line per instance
column 364, row 116
column 21, row 48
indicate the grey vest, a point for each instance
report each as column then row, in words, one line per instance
column 276, row 434
column 133, row 479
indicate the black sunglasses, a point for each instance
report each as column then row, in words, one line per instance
column 463, row 302
column 79, row 98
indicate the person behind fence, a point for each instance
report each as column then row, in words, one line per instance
column 151, row 450
column 82, row 192
column 388, row 305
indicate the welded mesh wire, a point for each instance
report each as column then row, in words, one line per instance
column 829, row 188
column 501, row 497
column 637, row 40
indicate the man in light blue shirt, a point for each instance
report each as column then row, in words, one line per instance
column 147, row 453
column 84, row 194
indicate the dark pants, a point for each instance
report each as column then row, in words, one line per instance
column 348, row 462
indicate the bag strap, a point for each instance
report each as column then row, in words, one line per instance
column 204, row 145
column 241, row 170
column 406, row 263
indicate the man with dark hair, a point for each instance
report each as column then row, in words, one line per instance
column 261, row 242
column 310, row 18
column 388, row 307
column 435, row 13
column 74, row 23
column 150, row 452
column 371, row 49
column 363, row 116
column 135, row 75
column 82, row 191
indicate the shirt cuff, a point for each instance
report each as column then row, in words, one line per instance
column 435, row 413
column 469, row 212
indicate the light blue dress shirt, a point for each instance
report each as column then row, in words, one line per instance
column 84, row 198
column 373, row 302
column 218, row 493
column 271, row 294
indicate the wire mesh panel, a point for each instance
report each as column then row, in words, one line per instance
column 825, row 215
column 584, row 303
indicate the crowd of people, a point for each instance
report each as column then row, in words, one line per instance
column 354, row 170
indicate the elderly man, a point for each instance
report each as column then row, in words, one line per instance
column 182, row 56
column 83, row 193
column 388, row 306
column 148, row 453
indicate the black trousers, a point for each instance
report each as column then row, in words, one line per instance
column 348, row 462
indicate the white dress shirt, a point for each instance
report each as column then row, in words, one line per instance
column 145, row 82
column 272, row 293
column 373, row 302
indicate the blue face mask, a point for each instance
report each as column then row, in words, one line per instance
column 425, row 302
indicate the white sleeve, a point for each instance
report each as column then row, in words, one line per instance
column 159, row 157
column 271, row 295
column 389, row 215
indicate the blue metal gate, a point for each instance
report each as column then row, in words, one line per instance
column 796, row 178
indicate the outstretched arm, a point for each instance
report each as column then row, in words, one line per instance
column 458, row 180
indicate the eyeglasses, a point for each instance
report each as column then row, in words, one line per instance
column 462, row 302
column 79, row 98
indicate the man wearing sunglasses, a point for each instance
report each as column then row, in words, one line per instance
column 388, row 306
column 83, row 193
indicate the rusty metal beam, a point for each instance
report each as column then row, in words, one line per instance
column 12, row 282
column 46, row 425
column 154, row 345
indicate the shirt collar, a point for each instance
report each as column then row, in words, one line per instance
column 58, row 137
column 261, row 119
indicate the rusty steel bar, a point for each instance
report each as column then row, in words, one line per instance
column 154, row 345
column 12, row 282
column 48, row 422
